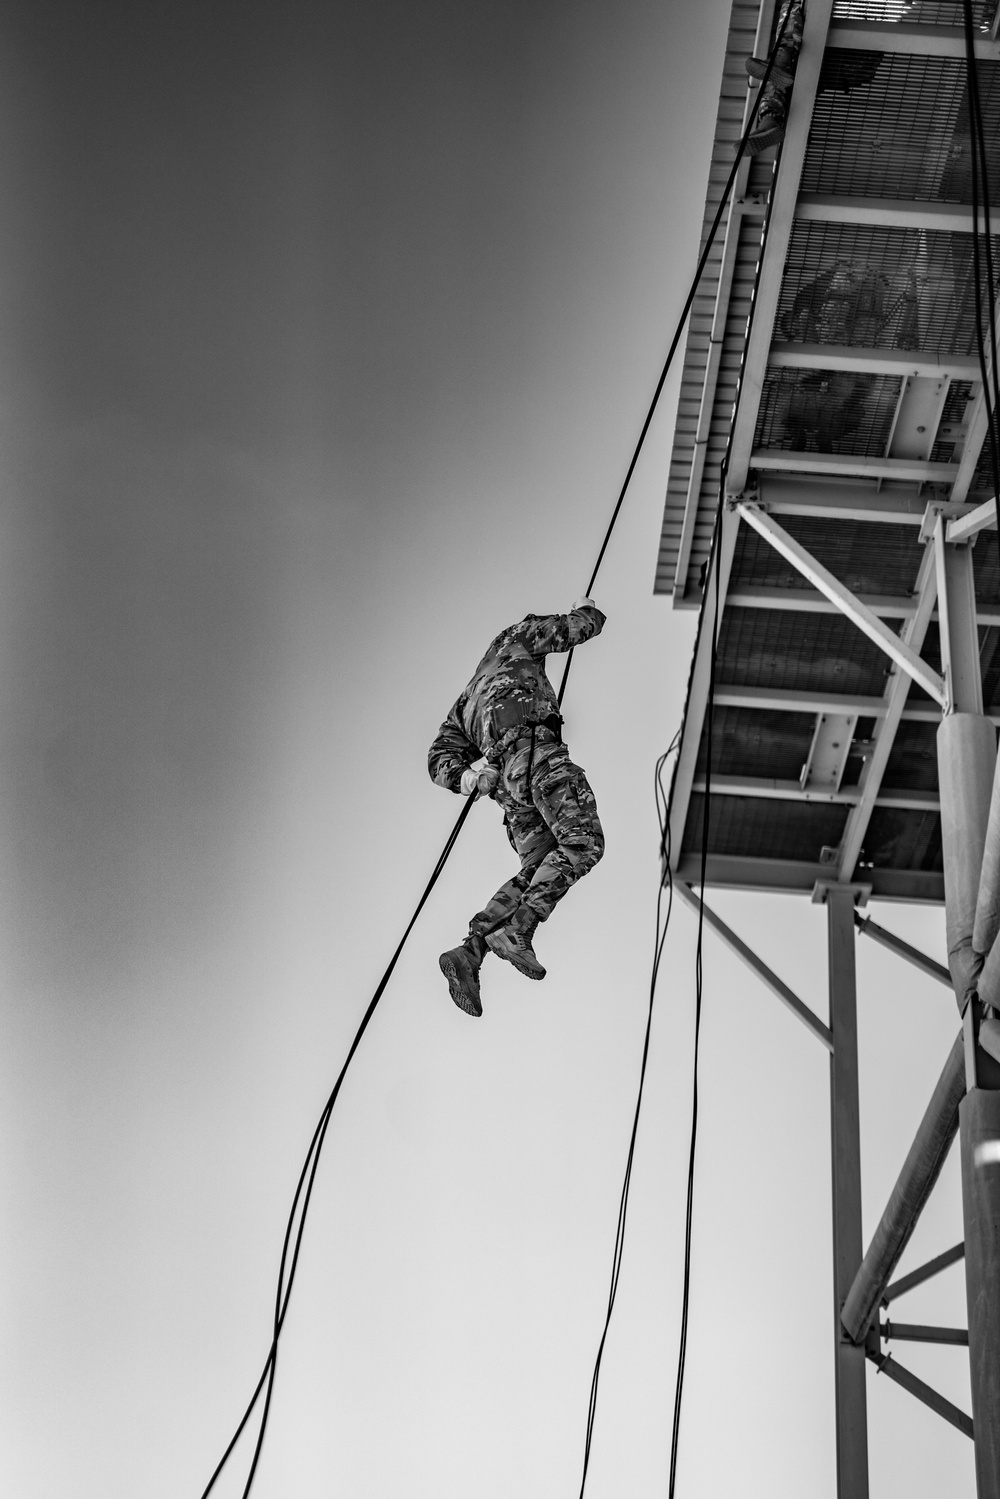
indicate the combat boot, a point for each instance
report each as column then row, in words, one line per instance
column 770, row 130
column 460, row 967
column 513, row 942
column 757, row 68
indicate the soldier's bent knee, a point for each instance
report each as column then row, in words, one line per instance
column 584, row 855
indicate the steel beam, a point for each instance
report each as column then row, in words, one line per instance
column 886, row 1364
column 894, row 646
column 920, row 1332
column 896, row 213
column 852, row 465
column 792, row 700
column 792, row 356
column 717, row 333
column 908, row 37
column 957, row 618
column 798, row 877
column 976, row 430
column 697, row 700
column 845, row 1139
column 795, row 700
column 896, row 695
column 925, row 1272
column 841, row 499
column 738, row 208
column 805, row 601
column 763, row 788
column 769, row 979
column 980, row 1115
column 785, row 192
column 982, row 518
column 902, row 949
column 921, row 1169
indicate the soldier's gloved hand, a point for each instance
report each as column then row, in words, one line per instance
column 481, row 777
column 579, row 603
column 489, row 779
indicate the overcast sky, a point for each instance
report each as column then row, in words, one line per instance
column 326, row 333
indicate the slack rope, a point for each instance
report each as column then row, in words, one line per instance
column 303, row 1192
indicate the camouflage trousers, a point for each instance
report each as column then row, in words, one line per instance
column 554, row 829
column 774, row 99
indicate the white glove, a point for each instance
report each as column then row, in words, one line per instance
column 580, row 602
column 481, row 777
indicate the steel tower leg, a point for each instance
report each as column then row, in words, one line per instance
column 980, row 1128
column 966, row 758
column 845, row 1140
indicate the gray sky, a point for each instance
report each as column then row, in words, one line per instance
column 327, row 331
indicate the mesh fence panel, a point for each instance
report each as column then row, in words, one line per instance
column 902, row 840
column 749, row 827
column 827, row 411
column 923, row 12
column 808, row 652
column 904, row 134
column 875, row 558
column 757, row 742
column 877, row 287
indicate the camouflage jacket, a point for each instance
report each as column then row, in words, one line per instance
column 509, row 690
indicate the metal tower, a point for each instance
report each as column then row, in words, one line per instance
column 831, row 438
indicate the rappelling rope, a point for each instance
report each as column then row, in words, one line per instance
column 977, row 143
column 303, row 1192
column 664, row 812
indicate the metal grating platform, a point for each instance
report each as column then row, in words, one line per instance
column 904, row 135
column 858, row 404
column 879, row 287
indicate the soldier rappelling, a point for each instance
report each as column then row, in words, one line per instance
column 503, row 739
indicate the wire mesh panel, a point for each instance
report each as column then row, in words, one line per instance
column 902, row 840
column 877, row 287
column 749, row 828
column 757, row 742
column 877, row 558
column 807, row 652
column 900, row 131
column 982, row 480
column 912, row 764
column 827, row 411
column 952, row 427
column 921, row 12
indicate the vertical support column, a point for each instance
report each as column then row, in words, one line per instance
column 966, row 761
column 845, row 1139
column 979, row 1115
column 957, row 622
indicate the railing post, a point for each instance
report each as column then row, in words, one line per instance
column 845, row 1142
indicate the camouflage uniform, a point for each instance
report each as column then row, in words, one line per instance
column 509, row 714
column 774, row 98
column 841, row 72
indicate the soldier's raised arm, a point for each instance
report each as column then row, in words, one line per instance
column 553, row 633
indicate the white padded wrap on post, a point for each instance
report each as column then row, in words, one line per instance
column 987, row 925
column 988, row 983
column 967, row 754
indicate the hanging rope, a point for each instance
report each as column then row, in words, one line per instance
column 307, row 1176
column 295, row 1226
column 679, row 329
column 980, row 183
column 712, row 570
